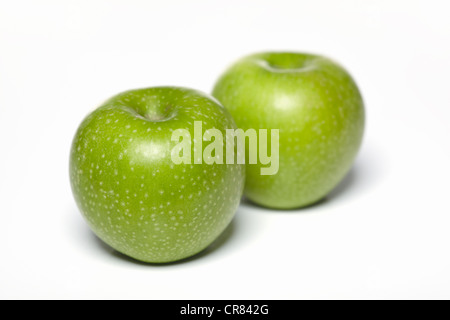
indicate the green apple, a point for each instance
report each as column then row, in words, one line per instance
column 319, row 112
column 129, row 190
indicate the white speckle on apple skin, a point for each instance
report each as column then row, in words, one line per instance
column 128, row 199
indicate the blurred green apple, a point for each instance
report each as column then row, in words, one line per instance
column 319, row 112
column 129, row 190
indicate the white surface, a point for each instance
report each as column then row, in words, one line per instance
column 384, row 233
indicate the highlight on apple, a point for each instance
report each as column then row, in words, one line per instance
column 233, row 145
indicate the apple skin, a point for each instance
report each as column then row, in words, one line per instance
column 130, row 192
column 317, row 107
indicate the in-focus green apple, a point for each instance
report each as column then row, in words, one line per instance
column 130, row 191
column 319, row 112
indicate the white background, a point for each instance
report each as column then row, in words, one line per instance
column 384, row 233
